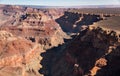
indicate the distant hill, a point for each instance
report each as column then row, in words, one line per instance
column 82, row 6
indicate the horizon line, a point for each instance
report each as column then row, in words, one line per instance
column 66, row 5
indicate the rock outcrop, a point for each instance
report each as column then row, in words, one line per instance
column 24, row 33
column 37, row 25
column 92, row 53
column 72, row 21
column 32, row 42
column 18, row 56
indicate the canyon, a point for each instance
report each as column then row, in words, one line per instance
column 59, row 41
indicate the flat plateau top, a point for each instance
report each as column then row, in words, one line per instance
column 112, row 23
column 115, row 11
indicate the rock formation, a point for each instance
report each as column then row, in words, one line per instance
column 36, row 42
column 24, row 33
column 35, row 25
column 92, row 53
column 18, row 56
column 71, row 21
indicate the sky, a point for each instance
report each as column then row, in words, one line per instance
column 61, row 2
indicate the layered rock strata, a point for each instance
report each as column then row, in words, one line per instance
column 94, row 52
column 18, row 56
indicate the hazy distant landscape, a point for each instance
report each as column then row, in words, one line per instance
column 82, row 6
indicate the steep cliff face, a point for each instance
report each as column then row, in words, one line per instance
column 12, row 15
column 72, row 21
column 92, row 52
column 18, row 56
column 48, row 36
column 37, row 25
column 25, row 32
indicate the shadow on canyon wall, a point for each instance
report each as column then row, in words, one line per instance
column 50, row 57
column 74, row 59
column 112, row 68
column 71, row 22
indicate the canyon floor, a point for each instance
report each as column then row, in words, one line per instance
column 59, row 41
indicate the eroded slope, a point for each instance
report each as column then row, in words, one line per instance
column 92, row 53
column 18, row 56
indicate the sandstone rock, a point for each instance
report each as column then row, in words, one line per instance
column 18, row 56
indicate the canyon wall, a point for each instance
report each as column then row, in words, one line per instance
column 33, row 42
column 18, row 56
column 37, row 25
column 94, row 52
column 24, row 34
column 72, row 21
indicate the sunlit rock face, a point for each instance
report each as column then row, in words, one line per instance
column 13, row 15
column 32, row 43
column 37, row 25
column 18, row 56
column 24, row 33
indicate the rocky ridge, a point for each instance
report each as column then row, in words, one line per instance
column 92, row 53
column 25, row 32
column 18, row 56
column 34, row 24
